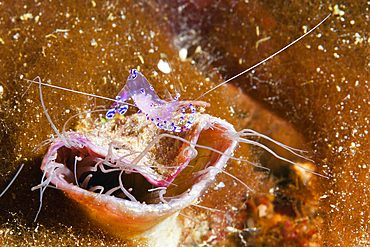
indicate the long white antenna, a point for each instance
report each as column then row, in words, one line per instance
column 266, row 59
column 73, row 91
column 11, row 182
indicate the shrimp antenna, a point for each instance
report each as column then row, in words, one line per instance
column 266, row 59
column 11, row 182
column 74, row 91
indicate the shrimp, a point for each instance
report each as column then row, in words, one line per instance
column 162, row 112
column 159, row 111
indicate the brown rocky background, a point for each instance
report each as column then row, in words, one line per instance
column 318, row 89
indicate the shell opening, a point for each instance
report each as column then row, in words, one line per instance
column 133, row 180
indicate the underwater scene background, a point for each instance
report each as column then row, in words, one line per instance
column 314, row 96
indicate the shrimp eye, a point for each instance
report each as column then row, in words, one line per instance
column 142, row 90
column 133, row 74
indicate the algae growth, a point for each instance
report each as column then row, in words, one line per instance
column 320, row 87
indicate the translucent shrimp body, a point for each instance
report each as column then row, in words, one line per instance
column 159, row 111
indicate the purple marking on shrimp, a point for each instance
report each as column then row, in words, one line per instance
column 110, row 113
column 159, row 111
column 123, row 109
